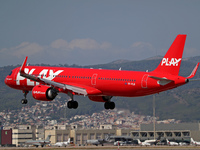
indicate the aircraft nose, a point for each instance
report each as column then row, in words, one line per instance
column 8, row 80
column 5, row 81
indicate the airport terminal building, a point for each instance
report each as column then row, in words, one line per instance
column 79, row 135
column 177, row 132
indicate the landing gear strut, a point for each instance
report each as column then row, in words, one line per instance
column 24, row 101
column 108, row 104
column 72, row 104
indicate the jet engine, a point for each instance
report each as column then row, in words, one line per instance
column 44, row 93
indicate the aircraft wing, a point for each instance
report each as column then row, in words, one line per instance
column 33, row 142
column 79, row 89
column 36, row 144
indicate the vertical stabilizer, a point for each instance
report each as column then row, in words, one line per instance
column 48, row 138
column 171, row 62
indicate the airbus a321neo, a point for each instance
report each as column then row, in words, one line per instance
column 98, row 84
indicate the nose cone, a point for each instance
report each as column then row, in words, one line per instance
column 5, row 81
column 8, row 81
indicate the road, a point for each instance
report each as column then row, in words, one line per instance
column 106, row 148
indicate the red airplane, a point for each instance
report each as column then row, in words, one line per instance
column 98, row 84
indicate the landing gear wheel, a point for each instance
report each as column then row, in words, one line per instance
column 75, row 104
column 112, row 105
column 69, row 104
column 106, row 105
column 109, row 105
column 72, row 104
column 24, row 101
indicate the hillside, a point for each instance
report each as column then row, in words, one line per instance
column 181, row 103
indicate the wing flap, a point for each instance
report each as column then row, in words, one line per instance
column 89, row 90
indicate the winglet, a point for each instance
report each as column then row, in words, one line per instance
column 23, row 65
column 194, row 71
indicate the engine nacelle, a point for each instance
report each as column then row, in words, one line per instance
column 100, row 98
column 44, row 93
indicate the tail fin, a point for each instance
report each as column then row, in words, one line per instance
column 171, row 62
column 48, row 138
column 139, row 142
column 107, row 137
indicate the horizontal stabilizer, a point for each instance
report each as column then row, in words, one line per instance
column 198, row 79
column 161, row 81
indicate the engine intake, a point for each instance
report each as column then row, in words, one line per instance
column 44, row 93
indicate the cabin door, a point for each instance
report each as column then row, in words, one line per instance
column 94, row 78
column 144, row 81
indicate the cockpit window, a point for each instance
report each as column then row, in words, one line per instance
column 10, row 73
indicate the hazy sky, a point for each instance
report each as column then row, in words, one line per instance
column 87, row 32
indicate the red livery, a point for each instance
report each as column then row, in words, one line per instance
column 98, row 84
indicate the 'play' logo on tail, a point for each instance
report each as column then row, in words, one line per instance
column 170, row 62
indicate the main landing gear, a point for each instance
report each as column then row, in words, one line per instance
column 108, row 104
column 72, row 104
column 24, row 101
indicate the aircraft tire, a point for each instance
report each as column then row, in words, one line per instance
column 72, row 104
column 75, row 104
column 24, row 101
column 106, row 105
column 69, row 104
column 112, row 105
column 109, row 105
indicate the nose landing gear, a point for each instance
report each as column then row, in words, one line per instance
column 24, row 101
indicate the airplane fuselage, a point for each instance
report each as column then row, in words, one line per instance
column 108, row 82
